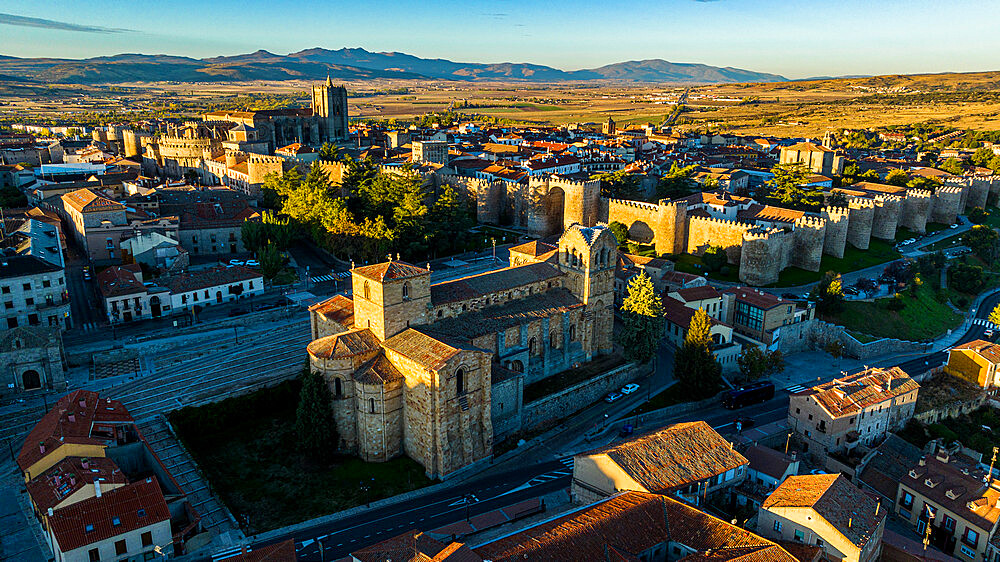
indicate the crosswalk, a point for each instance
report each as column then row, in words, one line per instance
column 330, row 277
column 88, row 327
column 555, row 474
column 796, row 388
column 984, row 323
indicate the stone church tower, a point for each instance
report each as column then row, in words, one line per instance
column 329, row 103
column 588, row 257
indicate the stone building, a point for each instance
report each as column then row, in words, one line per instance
column 819, row 159
column 430, row 151
column 33, row 292
column 436, row 371
column 32, row 358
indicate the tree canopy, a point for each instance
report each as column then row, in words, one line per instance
column 695, row 366
column 314, row 424
column 642, row 320
column 787, row 187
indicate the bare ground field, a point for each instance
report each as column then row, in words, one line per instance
column 783, row 109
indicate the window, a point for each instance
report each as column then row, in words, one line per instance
column 970, row 537
column 968, row 551
column 46, row 283
column 371, row 405
column 5, row 289
column 440, row 311
column 116, row 521
column 27, row 286
column 777, row 526
column 95, row 555
column 141, row 512
column 406, row 290
column 531, row 346
column 819, row 542
column 147, row 538
column 121, row 547
column 459, row 382
column 367, row 291
column 949, row 523
column 572, row 333
column 8, row 305
column 29, row 302
column 89, row 528
column 799, row 535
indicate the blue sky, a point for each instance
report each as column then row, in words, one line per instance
column 793, row 38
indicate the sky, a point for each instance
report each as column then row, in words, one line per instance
column 796, row 39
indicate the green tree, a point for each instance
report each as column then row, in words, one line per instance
column 897, row 177
column 329, row 152
column 314, row 425
column 978, row 215
column 270, row 260
column 642, row 320
column 982, row 240
column 756, row 363
column 995, row 316
column 620, row 231
column 677, row 182
column 828, row 293
column 953, row 166
column 618, row 185
column 11, row 197
column 965, row 277
column 982, row 157
column 715, row 258
column 695, row 366
column 786, row 187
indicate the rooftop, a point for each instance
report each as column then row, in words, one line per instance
column 87, row 201
column 853, row 513
column 988, row 350
column 674, row 457
column 338, row 308
column 67, row 476
column 390, row 271
column 955, row 486
column 214, row 277
column 492, row 282
column 499, row 317
column 849, row 395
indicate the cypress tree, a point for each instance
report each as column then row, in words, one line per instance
column 314, row 425
column 642, row 320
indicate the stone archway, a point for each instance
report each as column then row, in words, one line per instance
column 154, row 306
column 554, row 206
column 31, row 380
column 641, row 232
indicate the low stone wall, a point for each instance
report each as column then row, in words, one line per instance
column 816, row 334
column 577, row 397
column 952, row 410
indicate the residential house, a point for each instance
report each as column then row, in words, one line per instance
column 677, row 319
column 957, row 498
column 32, row 292
column 213, row 286
column 759, row 315
column 767, row 470
column 99, row 224
column 705, row 297
column 126, row 297
column 859, row 409
column 828, row 511
column 881, row 470
column 975, row 361
column 690, row 461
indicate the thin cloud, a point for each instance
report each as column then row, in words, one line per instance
column 24, row 21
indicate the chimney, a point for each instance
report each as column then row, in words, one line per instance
column 41, row 447
column 97, row 488
column 50, row 512
column 72, row 417
column 72, row 480
column 794, row 455
column 83, row 403
column 85, row 463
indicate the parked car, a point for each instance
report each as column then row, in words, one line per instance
column 988, row 333
column 629, row 388
column 236, row 262
column 86, row 274
column 627, row 430
column 743, row 422
column 790, row 296
column 953, row 226
column 253, row 263
column 612, row 396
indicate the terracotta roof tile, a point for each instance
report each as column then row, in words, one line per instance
column 411, row 546
column 378, row 371
column 134, row 505
column 427, row 350
column 277, row 552
column 499, row 317
column 756, row 298
column 987, row 350
column 973, row 500
column 208, row 278
column 71, row 420
column 591, row 532
column 346, row 344
column 808, row 147
column 699, row 293
column 87, row 201
column 389, row 271
column 69, row 475
column 848, row 395
column 767, row 460
column 338, row 308
column 534, row 248
column 835, row 499
column 674, row 457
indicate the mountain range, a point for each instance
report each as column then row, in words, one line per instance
column 349, row 64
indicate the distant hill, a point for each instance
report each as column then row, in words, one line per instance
column 351, row 64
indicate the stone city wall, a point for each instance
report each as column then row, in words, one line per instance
column 815, row 335
column 916, row 210
column 835, row 237
column 709, row 231
column 808, row 239
column 887, row 209
column 663, row 224
column 764, row 255
column 859, row 226
column 947, row 204
column 562, row 404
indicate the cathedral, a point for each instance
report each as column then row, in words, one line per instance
column 435, row 372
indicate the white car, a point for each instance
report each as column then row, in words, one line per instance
column 253, row 263
column 236, row 262
column 629, row 388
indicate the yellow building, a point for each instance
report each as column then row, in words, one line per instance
column 827, row 511
column 975, row 361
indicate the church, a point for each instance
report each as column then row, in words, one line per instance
column 436, row 372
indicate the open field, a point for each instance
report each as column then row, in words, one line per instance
column 804, row 108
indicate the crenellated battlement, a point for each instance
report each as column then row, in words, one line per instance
column 764, row 233
column 948, row 190
column 637, row 204
column 921, row 193
column 836, row 211
column 725, row 222
column 860, row 203
column 888, row 198
column 809, row 221
column 559, row 182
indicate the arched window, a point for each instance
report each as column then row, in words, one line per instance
column 406, row 290
column 338, row 388
column 367, row 292
column 572, row 333
column 517, row 366
column 371, row 405
column 531, row 346
column 459, row 382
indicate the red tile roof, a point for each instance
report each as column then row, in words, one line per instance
column 971, row 499
column 835, row 499
column 120, row 280
column 492, row 282
column 87, row 201
column 808, row 147
column 71, row 420
column 699, row 293
column 988, row 350
column 214, row 277
column 134, row 505
column 534, row 248
column 767, row 460
column 428, row 351
column 390, row 271
column 277, row 552
column 848, row 395
column 674, row 457
column 69, row 475
column 756, row 298
column 345, row 344
column 411, row 546
column 338, row 308
column 628, row 523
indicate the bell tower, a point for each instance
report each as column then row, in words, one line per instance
column 329, row 105
column 389, row 297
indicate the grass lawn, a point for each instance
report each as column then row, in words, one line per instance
column 569, row 377
column 993, row 220
column 968, row 429
column 689, row 263
column 246, row 448
column 923, row 317
column 878, row 252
